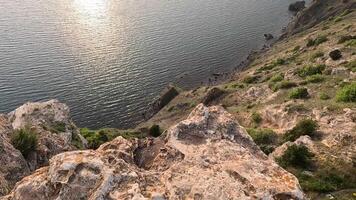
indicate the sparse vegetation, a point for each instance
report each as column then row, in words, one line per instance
column 250, row 79
column 317, row 41
column 347, row 93
column 317, row 78
column 256, row 118
column 324, row 96
column 317, row 55
column 297, row 156
column 303, row 127
column 58, row 127
column 264, row 138
column 285, row 84
column 25, row 140
column 96, row 138
column 299, row 93
column 277, row 78
column 310, row 70
column 351, row 65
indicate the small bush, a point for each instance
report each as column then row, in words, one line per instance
column 284, row 85
column 25, row 140
column 155, row 130
column 264, row 138
column 303, row 127
column 299, row 93
column 250, row 79
column 347, row 93
column 351, row 43
column 310, row 70
column 318, row 40
column 280, row 61
column 256, row 118
column 276, row 78
column 317, row 78
column 297, row 156
column 324, row 96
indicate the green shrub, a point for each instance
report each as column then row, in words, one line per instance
column 324, row 96
column 311, row 70
column 280, row 61
column 250, row 79
column 347, row 93
column 338, row 19
column 155, row 130
column 25, row 140
column 317, row 78
column 256, row 118
column 318, row 40
column 297, row 156
column 276, row 78
column 303, row 127
column 96, row 138
column 264, row 138
column 285, row 84
column 327, row 179
column 299, row 93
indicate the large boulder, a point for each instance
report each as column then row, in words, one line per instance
column 207, row 156
column 55, row 131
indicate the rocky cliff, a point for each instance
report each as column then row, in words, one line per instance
column 207, row 156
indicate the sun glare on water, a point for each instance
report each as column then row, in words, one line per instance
column 91, row 8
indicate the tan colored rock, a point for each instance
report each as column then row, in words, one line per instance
column 13, row 164
column 207, row 156
column 46, row 118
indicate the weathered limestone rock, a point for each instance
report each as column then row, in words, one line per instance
column 207, row 156
column 13, row 164
column 51, row 121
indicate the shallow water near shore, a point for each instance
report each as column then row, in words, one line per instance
column 108, row 59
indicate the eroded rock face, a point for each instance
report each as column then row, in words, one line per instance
column 51, row 121
column 207, row 156
column 304, row 140
column 13, row 164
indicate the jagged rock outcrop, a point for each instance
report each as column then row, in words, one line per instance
column 13, row 164
column 207, row 156
column 51, row 121
column 297, row 6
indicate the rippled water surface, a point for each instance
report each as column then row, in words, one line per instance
column 107, row 59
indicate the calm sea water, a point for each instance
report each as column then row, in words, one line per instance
column 107, row 59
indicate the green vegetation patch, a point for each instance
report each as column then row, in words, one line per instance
column 347, row 93
column 250, row 79
column 303, row 127
column 277, row 78
column 317, row 41
column 298, row 93
column 317, row 78
column 297, row 156
column 311, row 70
column 316, row 55
column 256, row 118
column 25, row 140
column 96, row 138
column 278, row 62
column 285, row 84
column 264, row 138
